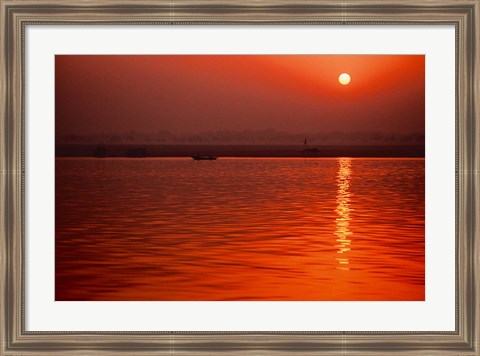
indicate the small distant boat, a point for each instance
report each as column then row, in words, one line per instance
column 204, row 158
column 309, row 150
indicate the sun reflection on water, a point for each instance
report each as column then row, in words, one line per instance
column 167, row 229
column 342, row 231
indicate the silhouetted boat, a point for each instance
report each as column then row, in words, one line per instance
column 311, row 150
column 204, row 158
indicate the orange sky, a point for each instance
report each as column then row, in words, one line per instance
column 192, row 93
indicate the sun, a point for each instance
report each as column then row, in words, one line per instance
column 344, row 78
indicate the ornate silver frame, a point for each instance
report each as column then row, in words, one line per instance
column 15, row 15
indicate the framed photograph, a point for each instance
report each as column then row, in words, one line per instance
column 226, row 177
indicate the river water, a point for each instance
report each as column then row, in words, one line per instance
column 240, row 229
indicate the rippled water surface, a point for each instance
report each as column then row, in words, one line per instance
column 239, row 229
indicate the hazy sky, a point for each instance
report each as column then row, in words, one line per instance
column 192, row 93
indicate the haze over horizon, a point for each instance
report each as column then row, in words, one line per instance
column 247, row 137
column 194, row 94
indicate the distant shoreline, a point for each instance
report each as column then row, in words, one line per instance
column 303, row 151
